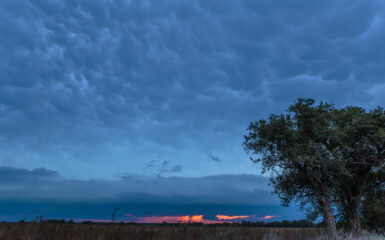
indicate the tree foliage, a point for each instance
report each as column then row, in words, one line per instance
column 321, row 156
column 373, row 209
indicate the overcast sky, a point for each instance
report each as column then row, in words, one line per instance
column 163, row 90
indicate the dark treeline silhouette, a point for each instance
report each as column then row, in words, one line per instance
column 276, row 224
column 374, row 221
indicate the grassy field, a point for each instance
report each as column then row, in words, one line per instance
column 54, row 231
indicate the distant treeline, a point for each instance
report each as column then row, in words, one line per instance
column 276, row 224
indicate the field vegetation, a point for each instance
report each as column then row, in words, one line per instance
column 92, row 231
column 61, row 230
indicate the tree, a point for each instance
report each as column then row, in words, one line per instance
column 317, row 156
column 293, row 148
column 360, row 138
column 373, row 209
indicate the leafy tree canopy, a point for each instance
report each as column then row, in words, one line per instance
column 322, row 156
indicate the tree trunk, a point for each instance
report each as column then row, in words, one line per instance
column 353, row 219
column 328, row 218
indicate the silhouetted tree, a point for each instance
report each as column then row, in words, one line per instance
column 321, row 156
column 360, row 138
column 373, row 209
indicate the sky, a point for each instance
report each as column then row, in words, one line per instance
column 143, row 104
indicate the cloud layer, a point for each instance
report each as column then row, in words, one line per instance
column 94, row 89
column 26, row 194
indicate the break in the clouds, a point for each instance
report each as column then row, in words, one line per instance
column 25, row 194
column 94, row 89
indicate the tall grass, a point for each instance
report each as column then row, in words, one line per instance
column 55, row 231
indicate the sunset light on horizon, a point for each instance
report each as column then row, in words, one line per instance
column 191, row 219
column 268, row 217
column 224, row 217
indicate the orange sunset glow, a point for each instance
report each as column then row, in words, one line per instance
column 225, row 217
column 176, row 219
column 183, row 219
column 195, row 218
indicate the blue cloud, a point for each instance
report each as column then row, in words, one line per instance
column 14, row 175
column 83, row 82
column 25, row 194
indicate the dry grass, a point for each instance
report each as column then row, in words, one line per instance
column 54, row 231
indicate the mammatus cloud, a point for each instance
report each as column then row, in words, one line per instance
column 83, row 82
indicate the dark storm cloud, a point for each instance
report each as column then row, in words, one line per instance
column 215, row 158
column 177, row 168
column 78, row 77
column 158, row 168
column 24, row 193
column 12, row 175
column 29, row 210
column 18, row 184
